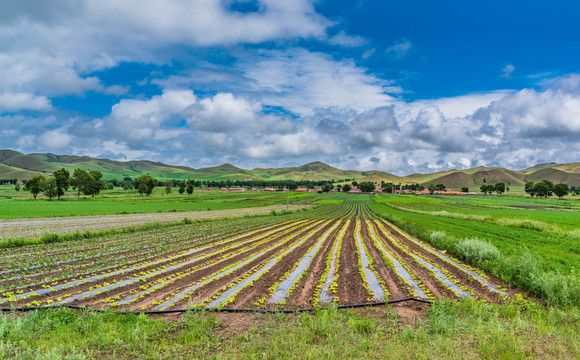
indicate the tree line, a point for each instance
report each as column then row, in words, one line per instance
column 547, row 188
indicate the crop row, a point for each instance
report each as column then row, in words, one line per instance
column 289, row 261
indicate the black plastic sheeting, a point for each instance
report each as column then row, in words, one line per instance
column 286, row 311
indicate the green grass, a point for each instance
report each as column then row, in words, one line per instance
column 119, row 202
column 449, row 330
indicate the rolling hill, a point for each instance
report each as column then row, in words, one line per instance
column 23, row 166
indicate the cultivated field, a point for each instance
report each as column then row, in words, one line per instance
column 37, row 227
column 334, row 254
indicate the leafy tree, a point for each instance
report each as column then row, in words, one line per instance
column 354, row 184
column 499, row 188
column 529, row 188
column 561, row 190
column 431, row 189
column 367, row 186
column 145, row 184
column 339, row 187
column 182, row 186
column 95, row 184
column 346, row 188
column 81, row 180
column 50, row 188
column 190, row 184
column 35, row 185
column 440, row 187
column 326, row 188
column 62, row 181
column 550, row 186
column 487, row 189
column 541, row 189
column 168, row 186
column 465, row 189
column 17, row 185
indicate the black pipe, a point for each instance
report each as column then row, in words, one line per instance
column 270, row 311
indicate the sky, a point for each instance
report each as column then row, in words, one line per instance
column 399, row 86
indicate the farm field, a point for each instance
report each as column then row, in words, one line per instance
column 339, row 254
column 31, row 228
column 112, row 202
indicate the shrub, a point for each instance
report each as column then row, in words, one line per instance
column 477, row 251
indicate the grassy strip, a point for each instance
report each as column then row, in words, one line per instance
column 521, row 269
column 450, row 329
column 516, row 223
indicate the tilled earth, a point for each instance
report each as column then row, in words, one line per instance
column 244, row 269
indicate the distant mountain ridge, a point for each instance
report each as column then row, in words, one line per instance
column 23, row 166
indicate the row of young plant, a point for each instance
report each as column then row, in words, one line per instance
column 270, row 239
column 86, row 279
column 153, row 245
column 138, row 270
column 250, row 262
column 227, row 294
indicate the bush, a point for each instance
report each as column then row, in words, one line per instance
column 477, row 251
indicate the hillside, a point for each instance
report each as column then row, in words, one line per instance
column 23, row 166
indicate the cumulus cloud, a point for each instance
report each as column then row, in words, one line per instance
column 55, row 139
column 10, row 102
column 138, row 120
column 302, row 81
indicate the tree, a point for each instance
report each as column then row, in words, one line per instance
column 346, row 188
column 339, row 187
column 168, row 186
column 354, row 184
column 367, row 186
column 35, row 185
column 81, row 180
column 181, row 186
column 145, row 184
column 487, row 189
column 51, row 188
column 561, row 190
column 529, row 188
column 499, row 188
column 431, row 189
column 550, row 186
column 17, row 186
column 95, row 184
column 541, row 189
column 62, row 181
column 440, row 187
column 190, row 184
column 465, row 189
column 326, row 188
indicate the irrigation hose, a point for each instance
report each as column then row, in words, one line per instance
column 268, row 311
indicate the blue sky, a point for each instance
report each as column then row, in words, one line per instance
column 399, row 86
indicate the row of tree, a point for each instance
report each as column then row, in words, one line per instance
column 85, row 182
column 547, row 188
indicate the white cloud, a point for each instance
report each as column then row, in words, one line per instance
column 507, row 71
column 55, row 139
column 138, row 120
column 302, row 81
column 400, row 49
column 343, row 39
column 23, row 101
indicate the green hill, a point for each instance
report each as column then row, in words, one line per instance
column 23, row 166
